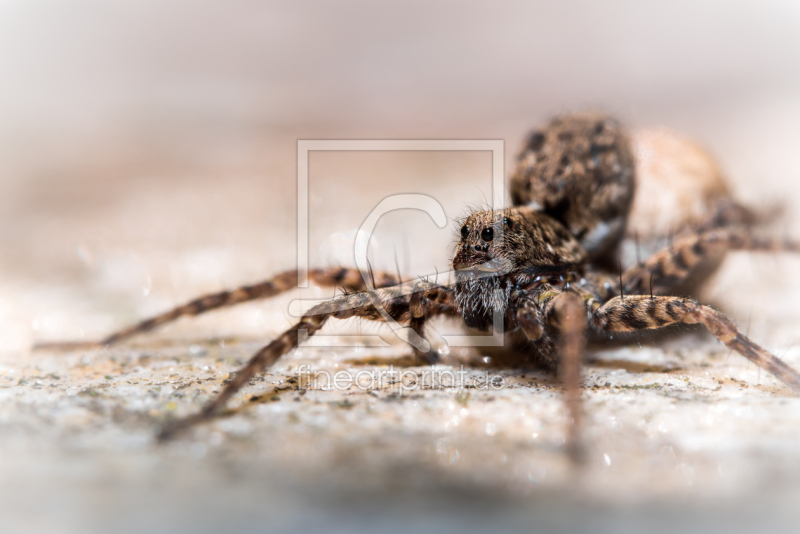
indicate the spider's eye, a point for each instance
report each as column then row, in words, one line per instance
column 487, row 234
column 507, row 223
column 464, row 232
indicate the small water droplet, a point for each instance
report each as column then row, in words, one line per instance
column 146, row 287
column 607, row 459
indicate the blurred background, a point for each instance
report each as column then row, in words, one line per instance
column 148, row 153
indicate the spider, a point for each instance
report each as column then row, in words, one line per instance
column 546, row 265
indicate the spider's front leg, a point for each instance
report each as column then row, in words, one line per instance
column 347, row 278
column 396, row 303
column 633, row 313
column 427, row 300
column 566, row 312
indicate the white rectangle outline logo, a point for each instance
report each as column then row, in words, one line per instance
column 304, row 146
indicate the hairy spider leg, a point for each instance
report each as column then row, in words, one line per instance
column 566, row 312
column 395, row 301
column 638, row 312
column 673, row 266
column 348, row 278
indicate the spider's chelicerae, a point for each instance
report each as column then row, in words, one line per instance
column 550, row 264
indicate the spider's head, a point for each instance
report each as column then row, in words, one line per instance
column 499, row 250
column 480, row 247
column 514, row 240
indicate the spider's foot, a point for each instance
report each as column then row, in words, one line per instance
column 427, row 358
column 171, row 429
column 576, row 452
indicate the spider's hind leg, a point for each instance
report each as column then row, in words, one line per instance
column 634, row 313
column 670, row 269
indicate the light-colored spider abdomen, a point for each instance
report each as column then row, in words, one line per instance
column 678, row 183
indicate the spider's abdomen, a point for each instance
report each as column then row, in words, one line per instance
column 579, row 170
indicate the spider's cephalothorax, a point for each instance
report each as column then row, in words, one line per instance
column 579, row 169
column 499, row 252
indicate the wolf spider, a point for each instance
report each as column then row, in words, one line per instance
column 546, row 264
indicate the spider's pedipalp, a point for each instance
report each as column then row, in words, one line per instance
column 635, row 313
column 529, row 317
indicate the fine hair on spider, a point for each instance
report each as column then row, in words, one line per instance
column 550, row 266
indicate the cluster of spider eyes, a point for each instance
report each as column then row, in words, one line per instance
column 487, row 234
